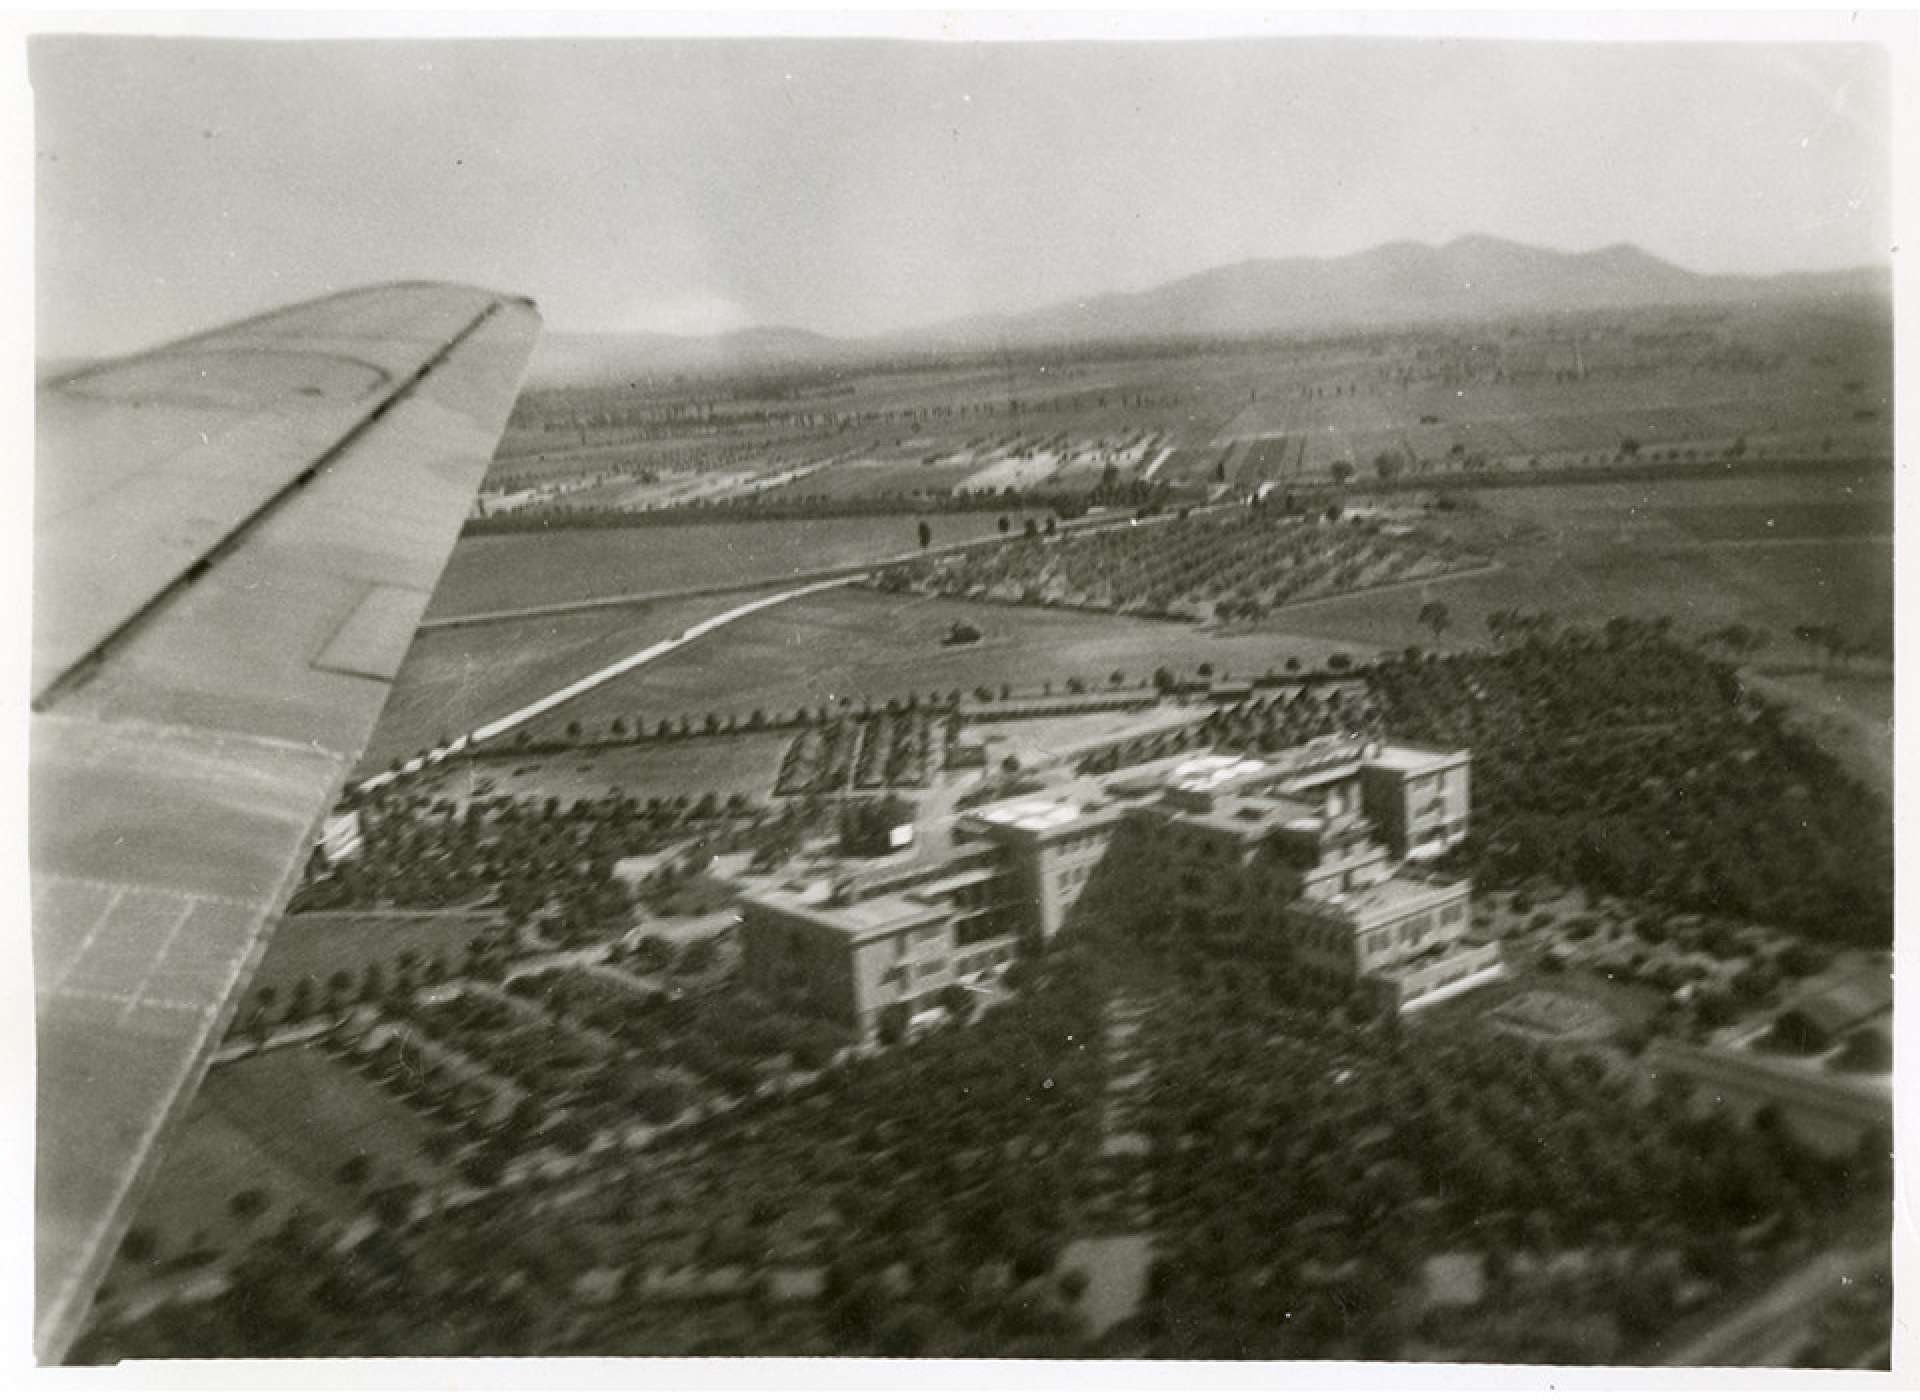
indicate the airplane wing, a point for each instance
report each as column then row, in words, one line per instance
column 235, row 536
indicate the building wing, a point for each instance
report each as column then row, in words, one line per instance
column 235, row 537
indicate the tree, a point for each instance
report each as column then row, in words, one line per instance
column 892, row 1024
column 139, row 1245
column 866, row 828
column 926, row 534
column 1342, row 472
column 957, row 1002
column 1434, row 615
column 1005, row 525
column 248, row 1205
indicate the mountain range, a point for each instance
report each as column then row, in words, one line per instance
column 1402, row 283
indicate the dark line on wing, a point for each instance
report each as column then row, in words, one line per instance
column 89, row 662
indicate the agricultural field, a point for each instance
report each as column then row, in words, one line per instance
column 457, row 678
column 879, row 476
column 1040, row 743
column 493, row 573
column 858, row 644
column 863, row 753
column 1674, row 386
column 1535, row 394
column 1768, row 551
column 1211, row 567
column 728, row 765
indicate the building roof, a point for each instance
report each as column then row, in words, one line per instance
column 1213, row 772
column 960, row 880
column 858, row 918
column 1249, row 818
column 1387, row 899
column 1039, row 816
column 1038, row 812
column 1410, row 758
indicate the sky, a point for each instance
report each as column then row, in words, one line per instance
column 857, row 187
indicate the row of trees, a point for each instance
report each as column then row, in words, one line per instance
column 1237, row 566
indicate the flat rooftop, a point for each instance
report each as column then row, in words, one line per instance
column 858, row 918
column 1251, row 816
column 1408, row 758
column 1388, row 897
column 1072, row 805
column 1211, row 772
column 1040, row 812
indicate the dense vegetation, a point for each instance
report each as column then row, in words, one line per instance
column 1625, row 761
column 531, row 857
column 1307, row 1169
column 924, row 1194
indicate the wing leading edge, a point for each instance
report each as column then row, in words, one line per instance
column 235, row 537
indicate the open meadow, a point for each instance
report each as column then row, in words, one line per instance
column 1769, row 551
column 456, row 678
column 493, row 573
column 727, row 765
column 854, row 644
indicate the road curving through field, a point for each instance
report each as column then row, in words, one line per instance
column 493, row 729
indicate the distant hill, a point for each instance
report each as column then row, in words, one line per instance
column 1395, row 284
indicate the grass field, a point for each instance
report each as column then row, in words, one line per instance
column 457, row 678
column 1699, row 551
column 1040, row 742
column 1355, row 413
column 283, row 1122
column 490, row 573
column 745, row 764
column 318, row 944
column 856, row 643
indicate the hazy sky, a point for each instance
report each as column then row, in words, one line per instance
column 853, row 187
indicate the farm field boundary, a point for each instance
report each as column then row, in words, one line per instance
column 844, row 573
column 1600, row 476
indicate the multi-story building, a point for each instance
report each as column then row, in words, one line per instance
column 1402, row 938
column 1311, row 845
column 1050, row 844
column 1418, row 798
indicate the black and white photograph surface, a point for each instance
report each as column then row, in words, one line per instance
column 1132, row 692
